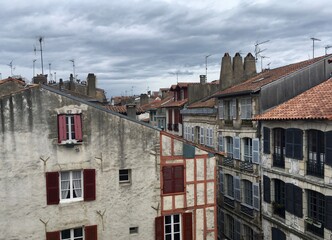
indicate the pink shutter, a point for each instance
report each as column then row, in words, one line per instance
column 89, row 184
column 178, row 178
column 159, row 228
column 53, row 235
column 167, row 180
column 187, row 226
column 90, row 232
column 78, row 127
column 62, row 130
column 52, row 188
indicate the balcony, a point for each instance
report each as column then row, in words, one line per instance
column 228, row 161
column 176, row 127
column 315, row 168
column 169, row 126
column 279, row 209
column 247, row 166
column 278, row 160
column 247, row 210
column 229, row 202
column 315, row 227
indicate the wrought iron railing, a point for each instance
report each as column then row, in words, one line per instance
column 315, row 168
column 278, row 160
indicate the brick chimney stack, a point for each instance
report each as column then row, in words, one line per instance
column 237, row 69
column 91, row 85
column 202, row 79
column 249, row 66
column 131, row 110
column 226, row 73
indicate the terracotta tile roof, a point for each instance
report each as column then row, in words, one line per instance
column 176, row 103
column 315, row 103
column 156, row 103
column 16, row 80
column 255, row 83
column 203, row 103
column 123, row 109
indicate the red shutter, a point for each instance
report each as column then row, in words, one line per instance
column 170, row 116
column 52, row 187
column 90, row 232
column 89, row 184
column 176, row 116
column 178, row 178
column 159, row 228
column 167, row 180
column 78, row 127
column 53, row 236
column 62, row 130
column 187, row 226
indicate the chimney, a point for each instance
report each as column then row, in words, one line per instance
column 71, row 83
column 226, row 73
column 40, row 79
column 91, row 85
column 60, row 84
column 249, row 66
column 237, row 69
column 144, row 99
column 131, row 110
column 202, row 79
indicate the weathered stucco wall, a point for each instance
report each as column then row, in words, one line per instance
column 28, row 133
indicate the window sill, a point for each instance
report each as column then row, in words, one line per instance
column 172, row 194
column 65, row 201
column 70, row 143
column 125, row 183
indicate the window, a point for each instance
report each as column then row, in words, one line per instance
column 197, row 134
column 201, row 141
column 247, row 192
column 70, row 186
column 173, row 179
column 316, row 153
column 279, row 198
column 229, row 225
column 277, row 234
column 246, row 108
column 248, row 233
column 80, row 233
column 293, row 199
column 124, row 175
column 230, row 185
column 133, row 230
column 172, row 227
column 209, row 137
column 69, row 128
column 230, row 109
column 229, row 147
column 294, row 148
column 247, row 155
column 220, row 143
column 316, row 213
column 279, row 147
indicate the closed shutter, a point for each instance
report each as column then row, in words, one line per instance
column 89, row 184
column 221, row 223
column 53, row 235
column 212, row 137
column 52, row 188
column 178, row 178
column 328, row 212
column 266, row 139
column 202, row 136
column 221, row 182
column 298, row 144
column 237, row 188
column 267, row 190
column 167, row 180
column 90, row 232
column 289, row 143
column 236, row 148
column 255, row 151
column 176, row 116
column 221, row 109
column 159, row 228
column 234, row 112
column 298, row 207
column 187, row 225
column 255, row 193
column 78, row 127
column 237, row 230
column 220, row 143
column 170, row 116
column 289, row 198
column 193, row 134
column 62, row 130
column 328, row 148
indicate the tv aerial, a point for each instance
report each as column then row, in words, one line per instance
column 11, row 67
column 313, row 45
column 327, row 47
column 258, row 50
column 40, row 39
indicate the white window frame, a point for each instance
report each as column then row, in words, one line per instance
column 70, row 126
column 246, row 111
column 229, row 147
column 72, row 237
column 247, row 149
column 128, row 174
column 172, row 224
column 71, row 187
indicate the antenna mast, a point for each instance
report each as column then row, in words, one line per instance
column 11, row 67
column 73, row 61
column 206, row 57
column 40, row 39
column 258, row 50
column 327, row 47
column 313, row 45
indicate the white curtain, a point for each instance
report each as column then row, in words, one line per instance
column 65, row 181
column 77, row 183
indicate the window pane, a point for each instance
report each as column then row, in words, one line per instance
column 168, row 229
column 78, row 232
column 177, row 236
column 167, row 219
column 176, row 218
column 65, row 234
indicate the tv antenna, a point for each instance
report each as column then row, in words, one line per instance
column 262, row 57
column 73, row 61
column 313, row 45
column 11, row 67
column 206, row 65
column 40, row 39
column 327, row 47
column 258, row 50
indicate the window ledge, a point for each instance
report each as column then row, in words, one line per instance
column 65, row 201
column 70, row 143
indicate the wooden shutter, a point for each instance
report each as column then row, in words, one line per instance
column 234, row 112
column 298, row 144
column 255, row 193
column 221, row 181
column 202, row 135
column 328, row 148
column 221, row 109
column 220, row 143
column 187, row 226
column 159, row 228
column 193, row 134
column 89, row 184
column 170, row 116
column 176, row 116
column 298, row 208
column 212, row 138
column 236, row 148
column 221, row 225
column 237, row 230
column 266, row 140
column 167, row 179
column 78, row 127
column 53, row 235
column 62, row 129
column 328, row 212
column 255, row 151
column 178, row 172
column 90, row 232
column 289, row 198
column 52, row 188
column 267, row 189
column 289, row 143
column 237, row 188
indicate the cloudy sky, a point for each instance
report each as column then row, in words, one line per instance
column 135, row 45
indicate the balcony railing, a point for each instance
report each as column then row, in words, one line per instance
column 176, row 127
column 279, row 209
column 228, row 161
column 247, row 166
column 278, row 160
column 169, row 126
column 315, row 227
column 246, row 210
column 229, row 202
column 315, row 168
